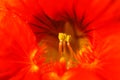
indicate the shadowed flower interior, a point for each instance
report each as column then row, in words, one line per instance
column 66, row 40
column 71, row 48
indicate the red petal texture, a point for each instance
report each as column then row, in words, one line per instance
column 98, row 18
column 18, row 44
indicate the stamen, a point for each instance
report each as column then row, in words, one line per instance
column 63, row 39
column 71, row 50
column 60, row 47
column 82, row 57
column 68, row 37
column 61, row 36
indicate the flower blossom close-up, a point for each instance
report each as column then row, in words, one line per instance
column 59, row 40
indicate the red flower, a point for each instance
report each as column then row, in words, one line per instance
column 81, row 39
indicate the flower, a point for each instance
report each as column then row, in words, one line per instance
column 81, row 37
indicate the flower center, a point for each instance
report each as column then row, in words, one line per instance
column 71, row 47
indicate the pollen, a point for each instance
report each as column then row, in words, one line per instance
column 62, row 36
column 68, row 37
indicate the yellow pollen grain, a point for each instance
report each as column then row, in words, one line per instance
column 68, row 38
column 62, row 36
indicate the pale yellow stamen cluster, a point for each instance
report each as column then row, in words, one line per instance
column 64, row 37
